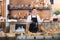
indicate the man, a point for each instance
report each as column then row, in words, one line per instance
column 33, row 19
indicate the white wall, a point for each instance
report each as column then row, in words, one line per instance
column 56, row 4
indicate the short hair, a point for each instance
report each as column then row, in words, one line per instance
column 34, row 9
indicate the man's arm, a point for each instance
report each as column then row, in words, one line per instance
column 28, row 19
column 39, row 20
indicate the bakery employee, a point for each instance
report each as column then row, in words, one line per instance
column 33, row 19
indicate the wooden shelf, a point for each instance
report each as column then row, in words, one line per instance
column 26, row 8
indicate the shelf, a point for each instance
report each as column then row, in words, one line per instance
column 26, row 8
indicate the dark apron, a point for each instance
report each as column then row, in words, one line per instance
column 33, row 25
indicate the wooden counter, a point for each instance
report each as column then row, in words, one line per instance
column 47, row 26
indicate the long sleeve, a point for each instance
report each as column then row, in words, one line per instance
column 28, row 19
column 39, row 20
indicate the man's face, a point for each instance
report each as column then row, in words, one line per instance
column 34, row 12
